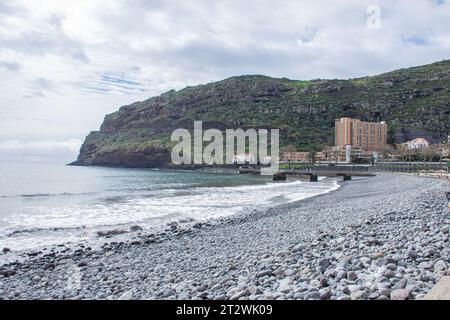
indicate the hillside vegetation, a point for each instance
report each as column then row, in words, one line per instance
column 414, row 101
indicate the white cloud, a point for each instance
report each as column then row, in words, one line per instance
column 65, row 64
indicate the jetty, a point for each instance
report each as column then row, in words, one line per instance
column 249, row 170
column 314, row 172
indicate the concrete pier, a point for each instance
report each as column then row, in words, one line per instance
column 345, row 173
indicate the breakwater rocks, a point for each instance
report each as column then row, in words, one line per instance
column 375, row 238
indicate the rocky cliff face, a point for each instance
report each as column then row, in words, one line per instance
column 411, row 100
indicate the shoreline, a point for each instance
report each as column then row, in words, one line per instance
column 256, row 255
column 132, row 232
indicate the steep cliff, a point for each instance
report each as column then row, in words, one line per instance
column 414, row 101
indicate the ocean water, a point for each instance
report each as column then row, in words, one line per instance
column 43, row 204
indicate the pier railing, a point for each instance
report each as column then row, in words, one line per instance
column 402, row 167
column 411, row 167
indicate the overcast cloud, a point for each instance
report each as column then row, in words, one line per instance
column 65, row 64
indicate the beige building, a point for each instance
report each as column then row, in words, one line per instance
column 344, row 154
column 334, row 154
column 295, row 156
column 369, row 136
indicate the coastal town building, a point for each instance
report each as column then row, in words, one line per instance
column 320, row 156
column 244, row 158
column 349, row 154
column 266, row 160
column 369, row 136
column 333, row 154
column 304, row 157
column 418, row 143
column 250, row 158
column 295, row 156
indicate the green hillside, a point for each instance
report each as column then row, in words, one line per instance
column 413, row 101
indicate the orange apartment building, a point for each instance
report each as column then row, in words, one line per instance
column 369, row 136
column 364, row 138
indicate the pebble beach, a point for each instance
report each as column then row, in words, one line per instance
column 377, row 238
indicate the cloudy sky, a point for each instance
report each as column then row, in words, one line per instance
column 65, row 64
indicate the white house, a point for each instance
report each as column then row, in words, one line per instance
column 266, row 160
column 244, row 158
column 418, row 143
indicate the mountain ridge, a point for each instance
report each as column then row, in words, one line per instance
column 414, row 101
